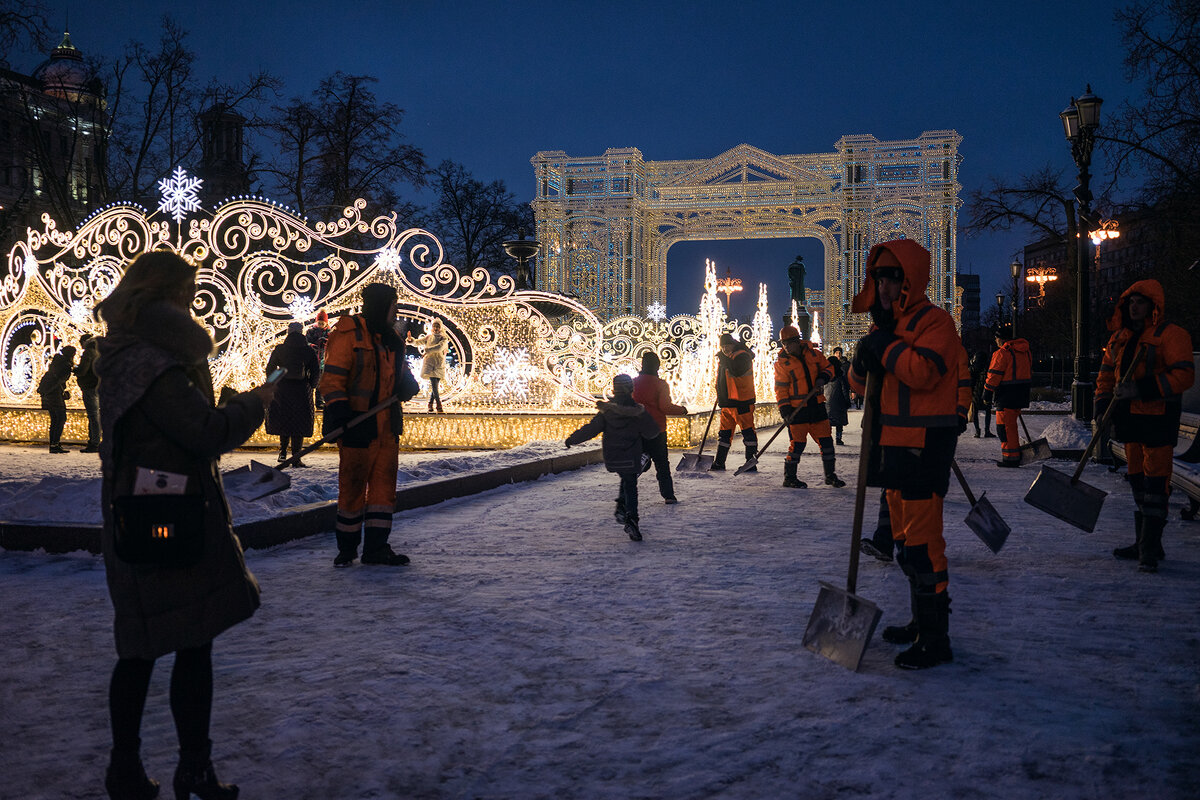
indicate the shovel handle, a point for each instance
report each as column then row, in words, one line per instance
column 870, row 397
column 1102, row 426
column 962, row 481
column 707, row 428
column 1028, row 437
column 336, row 432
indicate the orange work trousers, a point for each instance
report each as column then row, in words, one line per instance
column 917, row 526
column 1010, row 437
column 367, row 486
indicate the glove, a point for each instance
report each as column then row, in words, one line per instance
column 866, row 360
column 785, row 411
column 878, row 340
column 821, row 383
column 988, row 396
column 1101, row 409
column 336, row 415
column 1125, row 391
column 568, row 444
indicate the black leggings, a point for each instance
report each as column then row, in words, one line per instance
column 191, row 698
column 434, row 397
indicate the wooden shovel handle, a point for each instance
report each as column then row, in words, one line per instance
column 335, row 433
column 803, row 401
column 870, row 397
column 707, row 427
column 962, row 481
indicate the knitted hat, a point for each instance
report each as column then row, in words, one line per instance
column 622, row 384
column 788, row 332
column 322, row 316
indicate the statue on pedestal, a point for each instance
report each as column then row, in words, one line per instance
column 796, row 278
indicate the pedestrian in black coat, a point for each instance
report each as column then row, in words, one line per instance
column 158, row 412
column 837, row 394
column 291, row 414
column 85, row 378
column 625, row 426
column 53, row 389
column 979, row 369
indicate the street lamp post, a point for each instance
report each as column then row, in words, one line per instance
column 1015, row 268
column 523, row 250
column 1080, row 120
column 999, row 309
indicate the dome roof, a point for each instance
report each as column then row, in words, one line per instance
column 64, row 73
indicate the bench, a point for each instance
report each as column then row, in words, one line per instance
column 1185, row 471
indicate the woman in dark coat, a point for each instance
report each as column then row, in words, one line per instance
column 290, row 415
column 53, row 389
column 157, row 412
column 837, row 395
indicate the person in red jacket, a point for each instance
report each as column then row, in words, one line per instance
column 914, row 351
column 1009, row 377
column 653, row 394
column 799, row 369
column 1148, row 406
column 735, row 396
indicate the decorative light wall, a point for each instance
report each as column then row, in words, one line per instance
column 262, row 266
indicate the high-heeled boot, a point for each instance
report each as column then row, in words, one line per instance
column 439, row 406
column 195, row 776
column 126, row 778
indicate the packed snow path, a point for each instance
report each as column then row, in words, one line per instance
column 532, row 651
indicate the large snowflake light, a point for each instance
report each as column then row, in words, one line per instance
column 302, row 308
column 179, row 194
column 389, row 259
column 510, row 373
column 656, row 312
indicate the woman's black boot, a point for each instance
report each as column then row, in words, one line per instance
column 195, row 776
column 126, row 778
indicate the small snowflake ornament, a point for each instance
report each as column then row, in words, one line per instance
column 179, row 194
column 656, row 312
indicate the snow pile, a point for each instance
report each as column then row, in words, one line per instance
column 532, row 651
column 38, row 487
column 1068, row 433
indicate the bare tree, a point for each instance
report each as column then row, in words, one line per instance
column 22, row 25
column 473, row 219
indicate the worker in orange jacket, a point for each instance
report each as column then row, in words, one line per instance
column 1009, row 377
column 364, row 365
column 1148, row 406
column 914, row 348
column 735, row 396
column 799, row 369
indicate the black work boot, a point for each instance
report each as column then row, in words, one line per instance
column 750, row 451
column 1133, row 551
column 831, row 478
column 347, row 544
column 376, row 550
column 790, row 480
column 718, row 464
column 1151, row 544
column 907, row 633
column 932, row 646
column 195, row 776
column 126, row 778
column 631, row 528
column 619, row 512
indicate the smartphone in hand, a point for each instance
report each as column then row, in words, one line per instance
column 277, row 375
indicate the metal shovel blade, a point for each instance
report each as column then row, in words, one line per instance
column 841, row 626
column 254, row 481
column 692, row 462
column 1071, row 501
column 750, row 464
column 987, row 524
column 1038, row 450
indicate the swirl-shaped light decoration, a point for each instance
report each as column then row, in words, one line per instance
column 262, row 266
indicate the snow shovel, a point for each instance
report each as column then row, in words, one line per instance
column 258, row 480
column 698, row 462
column 842, row 623
column 1032, row 450
column 1065, row 496
column 983, row 519
column 753, row 460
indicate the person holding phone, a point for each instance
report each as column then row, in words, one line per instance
column 292, row 413
column 158, row 413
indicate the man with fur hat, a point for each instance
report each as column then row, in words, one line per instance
column 625, row 427
column 913, row 353
column 1148, row 406
column 1009, row 377
column 799, row 369
column 735, row 396
column 364, row 365
column 653, row 394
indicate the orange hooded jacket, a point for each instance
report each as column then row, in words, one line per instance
column 921, row 383
column 1165, row 370
column 360, row 369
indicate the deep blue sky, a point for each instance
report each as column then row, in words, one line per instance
column 488, row 84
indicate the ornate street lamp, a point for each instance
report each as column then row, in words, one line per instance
column 1015, row 269
column 1080, row 120
column 523, row 250
column 1041, row 275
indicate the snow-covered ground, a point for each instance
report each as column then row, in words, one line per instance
column 532, row 651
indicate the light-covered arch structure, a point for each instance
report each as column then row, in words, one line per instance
column 606, row 222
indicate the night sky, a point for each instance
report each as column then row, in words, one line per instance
column 488, row 84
